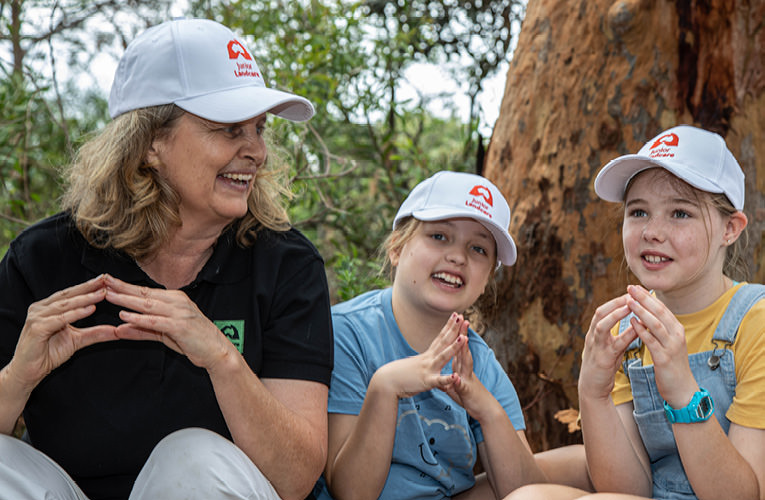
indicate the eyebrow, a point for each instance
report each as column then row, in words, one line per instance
column 481, row 233
column 678, row 201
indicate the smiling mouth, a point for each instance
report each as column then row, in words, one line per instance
column 655, row 259
column 239, row 178
column 449, row 279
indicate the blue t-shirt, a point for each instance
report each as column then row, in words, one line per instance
column 435, row 445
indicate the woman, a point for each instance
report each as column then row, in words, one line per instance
column 170, row 295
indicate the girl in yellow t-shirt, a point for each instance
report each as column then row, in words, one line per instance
column 658, row 366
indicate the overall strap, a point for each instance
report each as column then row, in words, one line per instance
column 623, row 324
column 743, row 300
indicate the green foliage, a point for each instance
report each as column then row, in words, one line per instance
column 351, row 165
column 30, row 146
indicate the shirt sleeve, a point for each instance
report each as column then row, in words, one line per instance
column 298, row 334
column 351, row 376
column 15, row 298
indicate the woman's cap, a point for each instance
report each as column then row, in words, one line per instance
column 447, row 195
column 694, row 155
column 204, row 68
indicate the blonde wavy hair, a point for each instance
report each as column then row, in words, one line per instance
column 120, row 202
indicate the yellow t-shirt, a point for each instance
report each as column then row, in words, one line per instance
column 748, row 406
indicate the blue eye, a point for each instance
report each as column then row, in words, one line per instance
column 232, row 130
column 479, row 250
column 680, row 214
column 638, row 212
column 438, row 236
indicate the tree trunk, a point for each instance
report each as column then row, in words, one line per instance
column 591, row 80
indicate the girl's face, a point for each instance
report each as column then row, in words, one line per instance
column 673, row 242
column 445, row 265
column 211, row 165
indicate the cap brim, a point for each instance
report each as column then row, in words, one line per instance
column 242, row 103
column 506, row 250
column 611, row 182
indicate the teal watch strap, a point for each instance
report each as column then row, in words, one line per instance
column 699, row 409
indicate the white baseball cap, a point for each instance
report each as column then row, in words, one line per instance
column 697, row 156
column 447, row 195
column 204, row 68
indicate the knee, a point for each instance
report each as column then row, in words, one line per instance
column 193, row 451
column 197, row 463
column 528, row 492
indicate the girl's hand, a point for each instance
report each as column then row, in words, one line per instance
column 409, row 376
column 603, row 352
column 48, row 338
column 664, row 337
column 170, row 317
column 466, row 390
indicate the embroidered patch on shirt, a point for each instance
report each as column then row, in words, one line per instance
column 234, row 330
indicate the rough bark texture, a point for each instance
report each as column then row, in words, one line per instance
column 591, row 80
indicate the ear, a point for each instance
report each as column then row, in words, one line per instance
column 734, row 227
column 394, row 254
column 151, row 158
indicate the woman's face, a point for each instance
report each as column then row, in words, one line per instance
column 672, row 241
column 211, row 165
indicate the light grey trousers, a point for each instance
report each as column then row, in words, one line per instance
column 187, row 464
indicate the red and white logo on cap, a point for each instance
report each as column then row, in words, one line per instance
column 482, row 199
column 243, row 68
column 664, row 146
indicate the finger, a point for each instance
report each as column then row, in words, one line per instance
column 444, row 382
column 149, row 302
column 448, row 333
column 127, row 289
column 131, row 332
column 85, row 288
column 149, row 322
column 648, row 325
column 624, row 339
column 448, row 353
column 609, row 314
column 84, row 337
column 652, row 343
column 48, row 321
column 651, row 304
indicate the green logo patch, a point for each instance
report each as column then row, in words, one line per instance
column 234, row 330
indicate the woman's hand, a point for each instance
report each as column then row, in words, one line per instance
column 409, row 376
column 48, row 338
column 170, row 317
column 664, row 337
column 603, row 352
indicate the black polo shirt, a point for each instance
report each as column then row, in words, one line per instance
column 100, row 414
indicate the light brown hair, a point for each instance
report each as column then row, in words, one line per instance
column 735, row 266
column 120, row 202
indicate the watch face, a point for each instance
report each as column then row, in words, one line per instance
column 705, row 406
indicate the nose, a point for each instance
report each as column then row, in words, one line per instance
column 654, row 229
column 253, row 145
column 456, row 255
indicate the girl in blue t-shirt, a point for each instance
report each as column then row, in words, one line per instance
column 417, row 397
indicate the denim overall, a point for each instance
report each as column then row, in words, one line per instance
column 714, row 370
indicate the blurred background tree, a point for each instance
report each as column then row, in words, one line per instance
column 352, row 164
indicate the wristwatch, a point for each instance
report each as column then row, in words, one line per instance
column 699, row 409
